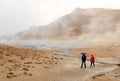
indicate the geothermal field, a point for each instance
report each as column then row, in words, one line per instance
column 53, row 52
column 24, row 64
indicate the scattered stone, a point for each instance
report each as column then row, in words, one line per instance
column 10, row 69
column 94, row 77
column 38, row 62
column 11, row 73
column 28, row 66
column 46, row 67
column 25, row 73
column 17, row 65
column 61, row 58
column 8, row 55
column 8, row 76
column 1, row 64
column 23, row 65
column 50, row 62
column 28, row 63
column 116, row 76
column 30, row 74
column 43, row 60
column 33, row 66
column 11, row 61
column 98, row 75
column 22, row 58
column 25, row 69
column 118, row 64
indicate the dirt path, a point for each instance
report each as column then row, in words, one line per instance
column 71, row 71
column 75, row 73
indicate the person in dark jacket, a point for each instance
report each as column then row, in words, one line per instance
column 92, row 60
column 83, row 60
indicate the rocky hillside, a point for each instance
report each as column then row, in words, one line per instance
column 87, row 23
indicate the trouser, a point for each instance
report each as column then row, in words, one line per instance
column 83, row 64
column 92, row 64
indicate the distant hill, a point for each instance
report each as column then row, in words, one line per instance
column 82, row 23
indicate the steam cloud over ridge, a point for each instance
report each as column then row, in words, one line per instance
column 86, row 24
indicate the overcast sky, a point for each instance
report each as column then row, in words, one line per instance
column 19, row 15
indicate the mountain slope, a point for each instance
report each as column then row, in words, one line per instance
column 81, row 22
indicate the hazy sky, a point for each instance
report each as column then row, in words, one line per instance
column 19, row 15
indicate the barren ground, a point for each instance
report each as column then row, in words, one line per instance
column 22, row 64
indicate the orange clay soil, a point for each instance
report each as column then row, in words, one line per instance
column 23, row 64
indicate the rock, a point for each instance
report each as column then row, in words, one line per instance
column 25, row 73
column 28, row 63
column 33, row 66
column 8, row 76
column 25, row 69
column 11, row 61
column 94, row 77
column 11, row 73
column 22, row 58
column 1, row 64
column 30, row 74
column 28, row 66
column 61, row 58
column 46, row 67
